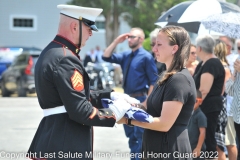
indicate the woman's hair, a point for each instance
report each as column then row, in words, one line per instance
column 177, row 36
column 206, row 42
column 220, row 50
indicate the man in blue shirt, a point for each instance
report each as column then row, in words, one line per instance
column 139, row 76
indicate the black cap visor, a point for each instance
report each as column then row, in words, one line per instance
column 90, row 24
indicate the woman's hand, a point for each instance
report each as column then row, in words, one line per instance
column 197, row 152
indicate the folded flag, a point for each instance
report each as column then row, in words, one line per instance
column 132, row 113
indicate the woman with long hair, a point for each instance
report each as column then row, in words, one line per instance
column 220, row 50
column 171, row 101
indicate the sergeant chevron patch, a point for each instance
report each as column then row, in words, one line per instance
column 77, row 81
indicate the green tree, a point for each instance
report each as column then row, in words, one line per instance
column 233, row 1
column 112, row 9
column 147, row 12
column 138, row 13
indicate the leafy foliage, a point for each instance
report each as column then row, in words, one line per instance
column 106, row 5
column 232, row 1
column 138, row 13
column 141, row 13
column 146, row 44
column 147, row 12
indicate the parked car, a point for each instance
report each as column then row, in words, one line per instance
column 8, row 53
column 19, row 76
column 7, row 56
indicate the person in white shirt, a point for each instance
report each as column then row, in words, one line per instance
column 231, row 56
column 230, row 129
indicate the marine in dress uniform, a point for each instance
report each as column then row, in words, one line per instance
column 62, row 86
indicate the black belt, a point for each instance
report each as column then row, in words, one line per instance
column 138, row 94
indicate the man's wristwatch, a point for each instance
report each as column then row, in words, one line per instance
column 128, row 122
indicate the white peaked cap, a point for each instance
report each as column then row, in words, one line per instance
column 79, row 12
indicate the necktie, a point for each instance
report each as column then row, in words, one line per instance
column 127, row 68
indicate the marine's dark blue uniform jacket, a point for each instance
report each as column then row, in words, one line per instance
column 61, row 79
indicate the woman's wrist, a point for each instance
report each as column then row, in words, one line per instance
column 128, row 122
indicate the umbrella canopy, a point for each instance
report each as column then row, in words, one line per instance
column 189, row 14
column 226, row 23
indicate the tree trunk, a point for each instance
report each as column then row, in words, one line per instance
column 115, row 19
column 108, row 29
column 112, row 23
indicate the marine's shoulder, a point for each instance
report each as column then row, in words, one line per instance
column 59, row 51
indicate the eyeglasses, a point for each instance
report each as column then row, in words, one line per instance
column 152, row 44
column 198, row 100
column 238, row 48
column 193, row 53
column 132, row 37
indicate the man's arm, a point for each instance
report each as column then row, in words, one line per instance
column 109, row 50
column 151, row 71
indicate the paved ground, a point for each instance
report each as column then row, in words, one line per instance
column 19, row 118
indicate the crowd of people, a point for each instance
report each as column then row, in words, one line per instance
column 191, row 91
column 93, row 56
column 214, row 75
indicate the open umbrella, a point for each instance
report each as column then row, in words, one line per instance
column 189, row 14
column 226, row 23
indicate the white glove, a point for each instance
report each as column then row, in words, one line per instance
column 117, row 95
column 119, row 108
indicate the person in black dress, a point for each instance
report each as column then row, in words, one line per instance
column 171, row 101
column 209, row 79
